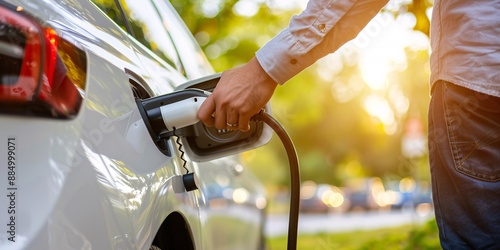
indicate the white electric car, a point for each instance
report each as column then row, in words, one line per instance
column 79, row 166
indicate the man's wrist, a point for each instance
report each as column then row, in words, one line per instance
column 263, row 76
column 258, row 72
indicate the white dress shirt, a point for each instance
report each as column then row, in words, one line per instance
column 465, row 43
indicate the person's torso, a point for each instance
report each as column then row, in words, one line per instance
column 465, row 42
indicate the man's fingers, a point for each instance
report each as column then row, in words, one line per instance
column 220, row 118
column 232, row 120
column 207, row 109
column 244, row 123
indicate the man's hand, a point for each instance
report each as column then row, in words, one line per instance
column 241, row 93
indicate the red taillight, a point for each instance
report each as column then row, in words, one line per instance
column 33, row 77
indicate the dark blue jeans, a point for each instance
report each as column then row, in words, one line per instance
column 464, row 152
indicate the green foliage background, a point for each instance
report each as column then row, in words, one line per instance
column 407, row 237
column 335, row 140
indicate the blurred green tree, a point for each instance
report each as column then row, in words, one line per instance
column 342, row 126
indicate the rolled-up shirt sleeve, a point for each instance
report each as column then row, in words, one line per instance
column 320, row 29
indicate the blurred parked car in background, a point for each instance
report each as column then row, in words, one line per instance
column 366, row 194
column 78, row 168
column 322, row 198
column 407, row 194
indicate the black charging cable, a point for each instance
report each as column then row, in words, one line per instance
column 293, row 220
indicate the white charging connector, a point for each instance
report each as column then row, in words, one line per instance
column 165, row 113
column 182, row 113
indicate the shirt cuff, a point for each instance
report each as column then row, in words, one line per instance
column 277, row 59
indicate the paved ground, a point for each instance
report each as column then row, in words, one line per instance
column 277, row 225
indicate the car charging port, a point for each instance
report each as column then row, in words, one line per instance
column 171, row 114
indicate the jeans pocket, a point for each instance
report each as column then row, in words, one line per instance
column 473, row 126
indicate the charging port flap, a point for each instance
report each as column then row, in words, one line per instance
column 208, row 143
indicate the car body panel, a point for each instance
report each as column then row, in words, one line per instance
column 230, row 197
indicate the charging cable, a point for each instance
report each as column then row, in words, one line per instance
column 293, row 220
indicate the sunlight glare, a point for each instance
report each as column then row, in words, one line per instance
column 211, row 8
column 246, row 8
column 374, row 70
column 384, row 51
column 329, row 66
column 399, row 101
column 344, row 92
column 378, row 107
column 287, row 4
